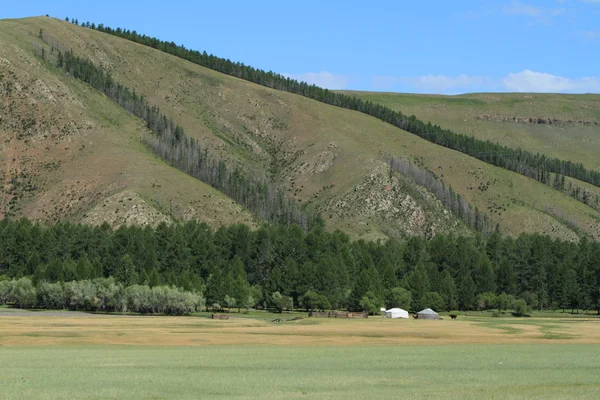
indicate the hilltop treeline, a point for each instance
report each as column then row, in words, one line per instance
column 171, row 143
column 536, row 166
column 285, row 267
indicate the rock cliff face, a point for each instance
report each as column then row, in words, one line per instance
column 536, row 120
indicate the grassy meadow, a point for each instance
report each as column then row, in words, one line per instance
column 112, row 357
column 272, row 372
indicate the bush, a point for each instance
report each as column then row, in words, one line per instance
column 530, row 298
column 140, row 299
column 281, row 302
column 505, row 301
column 81, row 295
column 487, row 301
column 119, row 301
column 102, row 294
column 6, row 291
column 371, row 303
column 162, row 299
column 50, row 296
column 521, row 308
column 313, row 300
column 106, row 288
column 24, row 294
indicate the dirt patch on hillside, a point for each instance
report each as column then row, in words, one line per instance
column 125, row 208
column 179, row 331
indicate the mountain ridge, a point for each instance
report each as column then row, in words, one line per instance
column 320, row 154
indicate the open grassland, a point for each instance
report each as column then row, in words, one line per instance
column 77, row 329
column 449, row 372
column 143, row 357
column 323, row 155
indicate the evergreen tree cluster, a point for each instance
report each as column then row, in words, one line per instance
column 283, row 267
column 171, row 143
column 536, row 166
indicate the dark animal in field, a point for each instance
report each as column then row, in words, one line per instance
column 416, row 316
column 453, row 316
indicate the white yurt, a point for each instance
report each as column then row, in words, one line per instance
column 396, row 313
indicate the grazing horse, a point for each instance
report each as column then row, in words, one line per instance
column 416, row 316
column 453, row 316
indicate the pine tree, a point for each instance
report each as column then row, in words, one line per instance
column 448, row 291
column 126, row 273
column 418, row 282
column 466, row 289
column 360, row 289
column 83, row 268
column 97, row 271
column 154, row 279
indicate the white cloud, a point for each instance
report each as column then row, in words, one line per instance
column 517, row 8
column 444, row 83
column 323, row 79
column 430, row 83
column 536, row 14
column 591, row 35
column 524, row 81
column 540, row 82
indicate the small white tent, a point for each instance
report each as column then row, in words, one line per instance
column 396, row 313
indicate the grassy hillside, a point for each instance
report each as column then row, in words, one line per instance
column 574, row 135
column 323, row 155
column 67, row 152
column 566, row 126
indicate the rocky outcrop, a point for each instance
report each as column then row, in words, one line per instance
column 384, row 199
column 536, row 120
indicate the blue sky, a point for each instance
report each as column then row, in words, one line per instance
column 405, row 46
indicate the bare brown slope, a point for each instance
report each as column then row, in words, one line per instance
column 324, row 155
column 67, row 152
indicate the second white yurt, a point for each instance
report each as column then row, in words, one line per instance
column 396, row 313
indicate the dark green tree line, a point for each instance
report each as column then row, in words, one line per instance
column 236, row 267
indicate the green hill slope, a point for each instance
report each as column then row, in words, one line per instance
column 324, row 156
column 67, row 152
column 566, row 126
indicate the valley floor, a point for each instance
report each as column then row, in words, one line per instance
column 107, row 356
